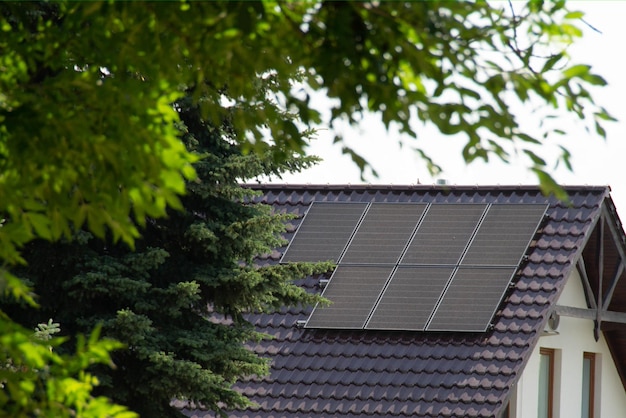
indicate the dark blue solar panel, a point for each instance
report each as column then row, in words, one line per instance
column 383, row 234
column 324, row 232
column 504, row 235
column 410, row 298
column 353, row 291
column 443, row 234
column 472, row 299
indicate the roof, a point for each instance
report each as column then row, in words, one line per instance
column 325, row 372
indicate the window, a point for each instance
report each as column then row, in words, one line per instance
column 546, row 383
column 589, row 385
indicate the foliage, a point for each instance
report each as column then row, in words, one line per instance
column 103, row 70
column 29, row 362
column 78, row 144
column 75, row 148
column 179, row 301
column 44, row 331
column 464, row 67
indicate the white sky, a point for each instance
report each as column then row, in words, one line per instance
column 595, row 162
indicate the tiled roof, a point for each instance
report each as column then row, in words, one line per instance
column 317, row 373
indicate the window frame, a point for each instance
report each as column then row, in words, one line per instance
column 550, row 353
column 591, row 384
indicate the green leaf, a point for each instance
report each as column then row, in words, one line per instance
column 41, row 225
column 551, row 62
column 574, row 15
column 576, row 71
column 538, row 161
column 549, row 186
column 566, row 157
column 593, row 79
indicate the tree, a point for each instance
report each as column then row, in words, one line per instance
column 196, row 265
column 87, row 126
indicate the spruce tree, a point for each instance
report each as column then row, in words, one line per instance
column 179, row 300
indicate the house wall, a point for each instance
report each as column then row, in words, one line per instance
column 575, row 336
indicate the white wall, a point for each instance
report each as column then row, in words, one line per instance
column 575, row 337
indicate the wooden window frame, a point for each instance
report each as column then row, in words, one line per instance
column 592, row 381
column 551, row 353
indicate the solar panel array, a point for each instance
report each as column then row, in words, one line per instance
column 422, row 267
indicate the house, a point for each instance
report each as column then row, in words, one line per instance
column 522, row 312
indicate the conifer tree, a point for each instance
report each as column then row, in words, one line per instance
column 178, row 301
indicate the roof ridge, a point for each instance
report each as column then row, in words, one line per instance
column 434, row 187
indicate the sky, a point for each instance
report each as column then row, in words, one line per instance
column 595, row 161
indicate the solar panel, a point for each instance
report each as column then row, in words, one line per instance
column 504, row 235
column 471, row 299
column 324, row 231
column 383, row 233
column 353, row 291
column 450, row 264
column 409, row 299
column 443, row 234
